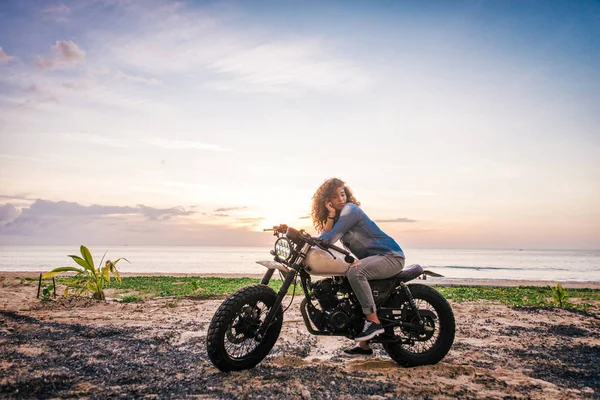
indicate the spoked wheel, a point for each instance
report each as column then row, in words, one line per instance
column 429, row 344
column 232, row 342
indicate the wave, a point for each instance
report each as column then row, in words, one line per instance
column 476, row 268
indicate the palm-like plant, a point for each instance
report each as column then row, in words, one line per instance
column 560, row 295
column 88, row 279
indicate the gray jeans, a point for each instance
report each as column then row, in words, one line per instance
column 372, row 268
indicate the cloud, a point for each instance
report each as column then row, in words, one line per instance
column 138, row 79
column 37, row 96
column 396, row 220
column 5, row 58
column 182, row 144
column 288, row 66
column 45, row 208
column 229, row 209
column 238, row 58
column 94, row 139
column 57, row 9
column 163, row 213
column 8, row 213
column 46, row 213
column 62, row 222
column 75, row 86
column 220, row 212
column 32, row 89
column 66, row 54
column 56, row 12
column 39, row 100
column 17, row 197
column 122, row 142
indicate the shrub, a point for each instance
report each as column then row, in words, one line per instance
column 560, row 295
column 88, row 279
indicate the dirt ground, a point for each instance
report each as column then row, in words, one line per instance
column 80, row 348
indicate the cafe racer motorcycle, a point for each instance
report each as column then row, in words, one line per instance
column 418, row 321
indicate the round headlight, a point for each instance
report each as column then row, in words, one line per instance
column 283, row 248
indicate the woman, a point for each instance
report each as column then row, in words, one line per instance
column 337, row 215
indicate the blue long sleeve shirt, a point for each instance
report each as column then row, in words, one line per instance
column 361, row 235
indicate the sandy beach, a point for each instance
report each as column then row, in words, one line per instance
column 77, row 347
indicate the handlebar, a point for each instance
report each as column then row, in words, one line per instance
column 302, row 235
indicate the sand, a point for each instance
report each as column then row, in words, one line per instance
column 83, row 348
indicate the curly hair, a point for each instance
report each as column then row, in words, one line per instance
column 326, row 191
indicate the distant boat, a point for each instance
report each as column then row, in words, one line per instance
column 520, row 249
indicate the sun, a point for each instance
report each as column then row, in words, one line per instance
column 277, row 214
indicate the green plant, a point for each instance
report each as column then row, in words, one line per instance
column 560, row 295
column 47, row 293
column 88, row 279
column 131, row 299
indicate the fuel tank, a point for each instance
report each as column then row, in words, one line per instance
column 320, row 262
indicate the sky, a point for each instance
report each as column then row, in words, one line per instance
column 463, row 124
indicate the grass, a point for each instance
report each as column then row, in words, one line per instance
column 189, row 286
column 131, row 299
column 145, row 287
column 519, row 296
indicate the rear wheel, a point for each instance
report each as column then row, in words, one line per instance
column 232, row 343
column 430, row 344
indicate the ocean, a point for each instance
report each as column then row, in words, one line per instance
column 544, row 265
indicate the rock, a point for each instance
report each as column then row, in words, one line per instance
column 305, row 394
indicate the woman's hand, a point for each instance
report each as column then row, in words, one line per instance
column 330, row 208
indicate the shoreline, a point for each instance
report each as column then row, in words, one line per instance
column 429, row 281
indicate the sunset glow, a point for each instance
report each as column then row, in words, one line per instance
column 462, row 125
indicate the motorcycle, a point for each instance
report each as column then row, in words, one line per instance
column 418, row 321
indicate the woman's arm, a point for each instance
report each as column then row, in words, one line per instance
column 349, row 216
column 330, row 218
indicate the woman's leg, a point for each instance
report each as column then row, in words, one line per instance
column 372, row 268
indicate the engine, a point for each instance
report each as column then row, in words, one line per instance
column 337, row 311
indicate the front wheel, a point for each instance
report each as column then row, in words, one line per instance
column 231, row 341
column 432, row 343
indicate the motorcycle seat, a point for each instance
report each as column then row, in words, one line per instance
column 382, row 287
column 409, row 273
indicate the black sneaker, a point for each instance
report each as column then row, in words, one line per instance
column 358, row 351
column 370, row 330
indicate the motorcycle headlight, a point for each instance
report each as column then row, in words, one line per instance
column 283, row 248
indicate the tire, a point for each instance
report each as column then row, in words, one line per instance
column 426, row 348
column 230, row 341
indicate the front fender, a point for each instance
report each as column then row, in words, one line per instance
column 270, row 264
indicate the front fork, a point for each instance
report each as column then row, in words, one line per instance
column 265, row 280
column 291, row 275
